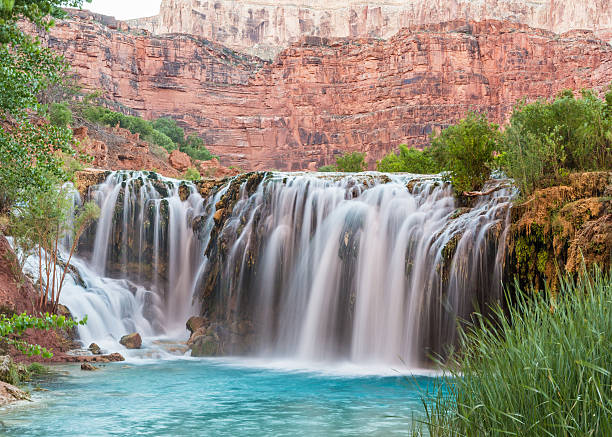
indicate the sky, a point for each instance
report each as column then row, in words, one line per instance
column 124, row 9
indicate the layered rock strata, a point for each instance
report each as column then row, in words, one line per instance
column 265, row 27
column 322, row 97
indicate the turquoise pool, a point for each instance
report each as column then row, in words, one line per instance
column 217, row 398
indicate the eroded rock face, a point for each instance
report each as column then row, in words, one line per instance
column 9, row 394
column 562, row 228
column 264, row 27
column 323, row 97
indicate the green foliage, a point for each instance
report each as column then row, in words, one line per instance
column 28, row 159
column 192, row 175
column 408, row 161
column 352, row 162
column 26, row 70
column 466, row 151
column 60, row 114
column 38, row 225
column 168, row 127
column 328, row 169
column 162, row 140
column 542, row 370
column 155, row 133
column 12, row 328
column 546, row 140
column 195, row 148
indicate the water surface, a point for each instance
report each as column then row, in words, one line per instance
column 217, row 398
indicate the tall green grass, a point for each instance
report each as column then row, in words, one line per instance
column 542, row 368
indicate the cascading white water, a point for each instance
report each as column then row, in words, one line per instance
column 360, row 267
column 370, row 268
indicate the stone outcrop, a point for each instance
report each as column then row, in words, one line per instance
column 264, row 27
column 322, row 97
column 114, row 148
column 9, row 394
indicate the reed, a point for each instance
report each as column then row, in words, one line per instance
column 541, row 368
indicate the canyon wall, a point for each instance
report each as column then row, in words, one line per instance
column 265, row 27
column 321, row 97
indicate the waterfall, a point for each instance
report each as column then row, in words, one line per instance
column 371, row 268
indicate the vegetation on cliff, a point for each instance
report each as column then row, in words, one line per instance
column 540, row 368
column 353, row 162
column 542, row 144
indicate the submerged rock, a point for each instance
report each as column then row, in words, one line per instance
column 95, row 349
column 206, row 346
column 9, row 394
column 88, row 367
column 131, row 341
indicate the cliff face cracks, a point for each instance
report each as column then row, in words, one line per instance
column 322, row 97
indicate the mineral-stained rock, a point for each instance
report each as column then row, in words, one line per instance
column 206, row 346
column 95, row 349
column 194, row 323
column 131, row 341
column 263, row 27
column 562, row 228
column 323, row 96
column 9, row 393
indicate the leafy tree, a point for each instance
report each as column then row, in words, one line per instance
column 169, row 127
column 161, row 140
column 12, row 328
column 195, row 148
column 352, row 162
column 466, row 151
column 41, row 225
column 26, row 69
column 408, row 161
column 60, row 115
column 546, row 140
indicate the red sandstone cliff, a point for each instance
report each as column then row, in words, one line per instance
column 325, row 96
column 265, row 27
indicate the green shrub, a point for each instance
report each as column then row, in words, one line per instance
column 408, row 161
column 465, row 150
column 545, row 140
column 60, row 114
column 328, row 169
column 192, row 175
column 161, row 140
column 194, row 147
column 542, row 370
column 169, row 127
column 352, row 162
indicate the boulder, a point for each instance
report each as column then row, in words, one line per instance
column 179, row 160
column 131, row 341
column 95, row 349
column 115, row 357
column 88, row 367
column 9, row 393
column 194, row 323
